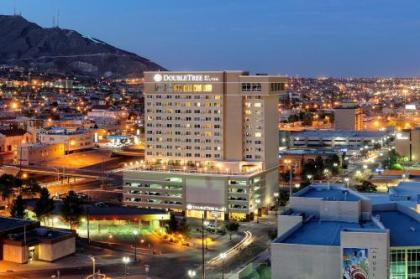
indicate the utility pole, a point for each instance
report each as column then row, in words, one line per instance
column 203, row 247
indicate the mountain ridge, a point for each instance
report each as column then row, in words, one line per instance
column 64, row 51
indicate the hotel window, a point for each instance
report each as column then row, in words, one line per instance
column 258, row 135
column 208, row 88
column 251, row 87
column 197, row 88
column 277, row 86
column 257, row 105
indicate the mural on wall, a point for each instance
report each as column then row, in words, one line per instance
column 355, row 263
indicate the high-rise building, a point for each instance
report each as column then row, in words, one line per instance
column 211, row 144
column 407, row 144
column 348, row 118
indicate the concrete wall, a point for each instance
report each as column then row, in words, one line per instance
column 340, row 211
column 291, row 261
column 51, row 252
column 15, row 253
column 309, row 206
column 377, row 244
column 286, row 223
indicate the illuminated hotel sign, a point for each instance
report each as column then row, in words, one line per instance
column 205, row 208
column 184, row 78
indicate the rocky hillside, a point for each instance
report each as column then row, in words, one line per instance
column 62, row 51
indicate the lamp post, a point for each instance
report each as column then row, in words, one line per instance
column 93, row 266
column 289, row 165
column 191, row 273
column 125, row 261
column 135, row 233
column 347, row 180
column 309, row 176
column 223, row 256
column 203, row 224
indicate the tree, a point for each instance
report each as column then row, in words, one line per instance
column 308, row 168
column 18, row 208
column 283, row 197
column 286, row 175
column 12, row 181
column 232, row 227
column 31, row 187
column 319, row 168
column 44, row 205
column 72, row 209
column 173, row 224
column 367, row 187
column 7, row 185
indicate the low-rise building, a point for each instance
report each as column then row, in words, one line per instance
column 11, row 139
column 22, row 241
column 73, row 140
column 329, row 231
column 30, row 154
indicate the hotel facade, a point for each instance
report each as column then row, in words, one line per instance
column 211, row 144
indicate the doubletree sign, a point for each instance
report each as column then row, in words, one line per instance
column 184, row 78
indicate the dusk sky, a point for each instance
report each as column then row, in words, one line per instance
column 293, row 37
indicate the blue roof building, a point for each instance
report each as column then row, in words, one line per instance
column 329, row 231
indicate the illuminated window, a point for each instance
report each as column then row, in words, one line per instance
column 188, row 88
column 258, row 135
column 208, row 88
column 217, row 97
column 257, row 105
column 197, row 88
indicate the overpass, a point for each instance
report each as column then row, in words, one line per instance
column 62, row 172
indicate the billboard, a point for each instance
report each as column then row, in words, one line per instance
column 355, row 263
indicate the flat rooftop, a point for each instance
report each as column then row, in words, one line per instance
column 307, row 152
column 404, row 230
column 338, row 134
column 7, row 224
column 328, row 193
column 317, row 232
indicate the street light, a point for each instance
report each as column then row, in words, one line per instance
column 93, row 266
column 346, row 179
column 125, row 261
column 223, row 256
column 135, row 233
column 191, row 273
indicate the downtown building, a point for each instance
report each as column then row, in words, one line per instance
column 211, row 144
column 330, row 231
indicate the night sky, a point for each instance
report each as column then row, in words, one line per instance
column 293, row 37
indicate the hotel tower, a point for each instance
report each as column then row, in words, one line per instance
column 211, row 144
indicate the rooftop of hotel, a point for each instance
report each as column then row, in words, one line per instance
column 329, row 193
column 339, row 134
column 225, row 168
column 404, row 229
column 317, row 232
column 307, row 152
